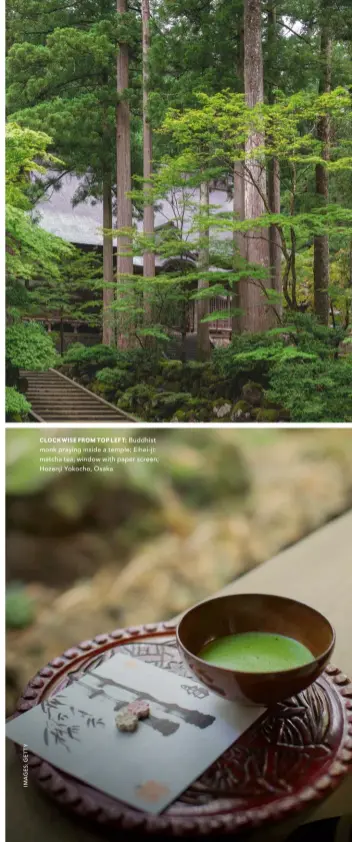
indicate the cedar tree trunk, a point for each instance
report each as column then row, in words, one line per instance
column 202, row 304
column 123, row 175
column 108, row 292
column 321, row 242
column 258, row 315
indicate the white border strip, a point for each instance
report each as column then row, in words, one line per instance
column 76, row 425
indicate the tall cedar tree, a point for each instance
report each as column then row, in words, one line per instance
column 202, row 304
column 275, row 253
column 257, row 315
column 123, row 174
column 148, row 211
column 74, row 96
column 321, row 242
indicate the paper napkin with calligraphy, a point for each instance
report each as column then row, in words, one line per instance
column 187, row 730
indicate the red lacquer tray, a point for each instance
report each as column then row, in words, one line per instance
column 290, row 758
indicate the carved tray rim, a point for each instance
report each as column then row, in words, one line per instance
column 64, row 790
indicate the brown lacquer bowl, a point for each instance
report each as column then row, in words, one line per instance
column 238, row 613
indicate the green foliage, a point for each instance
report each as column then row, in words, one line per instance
column 205, row 140
column 24, row 150
column 105, row 369
column 152, row 333
column 95, row 355
column 28, row 346
column 20, row 610
column 299, row 367
column 30, row 251
column 316, row 390
column 16, row 405
column 153, row 403
column 137, row 399
column 218, row 130
column 112, row 382
column 42, row 271
column 62, row 77
column 295, row 372
column 54, row 270
column 83, row 362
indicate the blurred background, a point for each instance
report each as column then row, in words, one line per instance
column 87, row 553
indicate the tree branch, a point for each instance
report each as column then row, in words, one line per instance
column 297, row 34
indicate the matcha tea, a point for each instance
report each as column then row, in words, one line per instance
column 256, row 652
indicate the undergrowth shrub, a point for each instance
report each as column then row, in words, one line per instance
column 299, row 367
column 16, row 405
column 297, row 371
column 83, row 362
column 313, row 390
column 113, row 382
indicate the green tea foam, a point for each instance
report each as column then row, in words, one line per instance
column 256, row 652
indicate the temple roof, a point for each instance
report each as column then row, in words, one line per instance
column 82, row 223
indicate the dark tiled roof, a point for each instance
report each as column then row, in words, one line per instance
column 82, row 224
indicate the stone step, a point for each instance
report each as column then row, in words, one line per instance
column 92, row 420
column 58, row 387
column 63, row 405
column 55, row 410
column 76, row 411
column 61, row 394
column 64, row 400
column 53, row 398
column 40, row 393
column 71, row 411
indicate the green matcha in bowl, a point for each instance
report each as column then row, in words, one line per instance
column 256, row 651
column 256, row 648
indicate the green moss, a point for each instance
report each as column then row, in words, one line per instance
column 240, row 409
column 253, row 393
column 267, row 404
column 171, row 365
column 255, row 412
column 171, row 398
column 194, row 409
column 165, row 404
column 137, row 399
column 268, row 415
column 195, row 365
column 169, row 369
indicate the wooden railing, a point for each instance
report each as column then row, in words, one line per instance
column 223, row 325
column 220, row 325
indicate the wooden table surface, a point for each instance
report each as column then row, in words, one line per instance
column 317, row 570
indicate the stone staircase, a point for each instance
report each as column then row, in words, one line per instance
column 56, row 398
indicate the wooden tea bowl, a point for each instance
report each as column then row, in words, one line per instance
column 236, row 613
